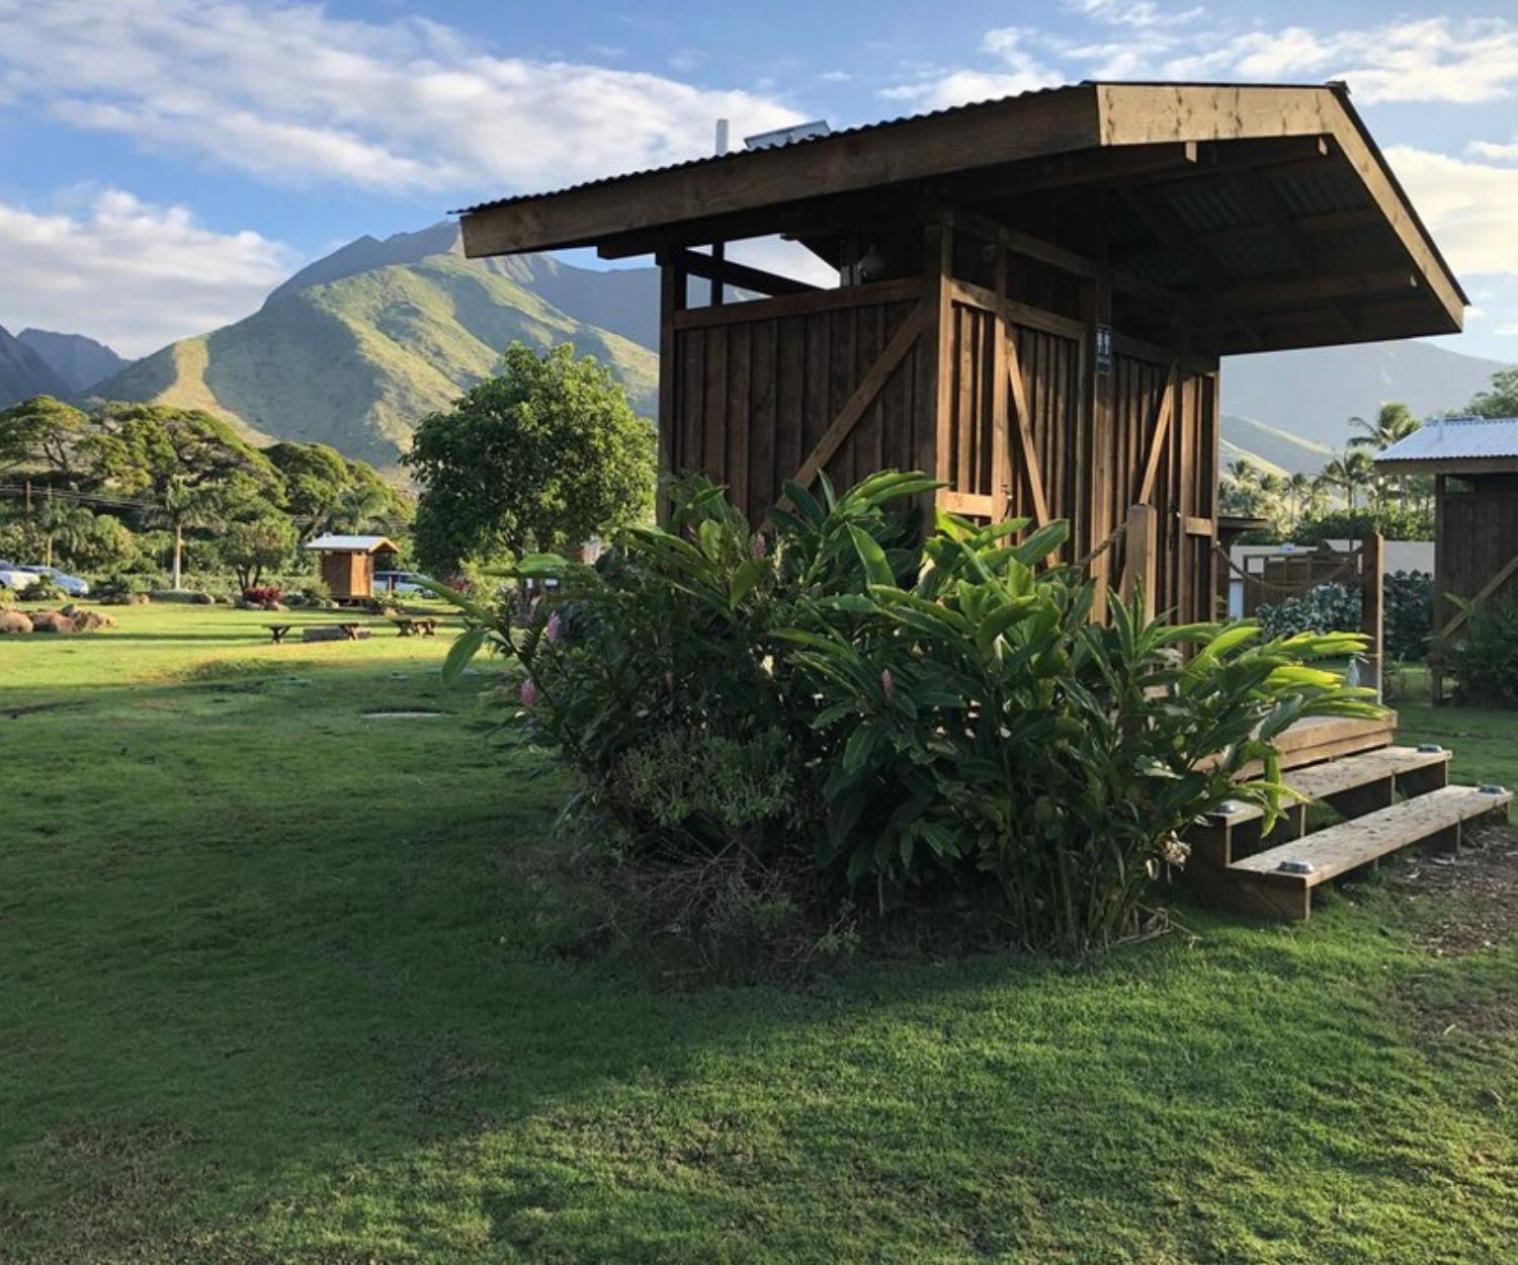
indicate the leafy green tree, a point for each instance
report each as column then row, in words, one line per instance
column 547, row 452
column 326, row 491
column 315, row 479
column 253, row 545
column 193, row 467
column 43, row 433
column 1498, row 400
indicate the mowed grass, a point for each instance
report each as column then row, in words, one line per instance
column 282, row 983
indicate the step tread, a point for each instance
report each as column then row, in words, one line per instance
column 1317, row 781
column 1350, row 844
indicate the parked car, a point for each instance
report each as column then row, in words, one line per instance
column 70, row 584
column 400, row 581
column 14, row 577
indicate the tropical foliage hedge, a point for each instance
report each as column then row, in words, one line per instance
column 1483, row 653
column 911, row 721
column 1407, row 610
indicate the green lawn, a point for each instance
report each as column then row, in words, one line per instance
column 282, row 983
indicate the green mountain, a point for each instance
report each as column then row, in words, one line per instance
column 23, row 373
column 1274, row 450
column 78, row 361
column 355, row 348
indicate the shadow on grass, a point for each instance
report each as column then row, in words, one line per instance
column 282, row 984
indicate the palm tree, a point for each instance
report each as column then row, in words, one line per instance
column 357, row 508
column 64, row 525
column 1244, row 472
column 1299, row 488
column 1350, row 471
column 183, row 506
column 1393, row 422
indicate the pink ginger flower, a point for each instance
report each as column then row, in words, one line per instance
column 529, row 693
column 552, row 631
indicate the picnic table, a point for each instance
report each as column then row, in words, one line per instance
column 412, row 626
column 278, row 631
column 350, row 628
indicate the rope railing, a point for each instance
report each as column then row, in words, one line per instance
column 1351, row 560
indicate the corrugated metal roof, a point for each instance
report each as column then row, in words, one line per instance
column 349, row 544
column 738, row 154
column 1457, row 439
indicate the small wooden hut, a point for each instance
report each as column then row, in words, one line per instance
column 1474, row 465
column 347, row 563
column 1033, row 296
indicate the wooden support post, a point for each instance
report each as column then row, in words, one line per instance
column 1140, row 544
column 1097, row 446
column 1435, row 651
column 1372, row 614
column 672, row 299
column 937, row 333
column 1001, row 457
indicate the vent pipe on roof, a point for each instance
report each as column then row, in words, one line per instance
column 721, row 146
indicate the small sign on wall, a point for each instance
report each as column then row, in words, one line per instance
column 1103, row 348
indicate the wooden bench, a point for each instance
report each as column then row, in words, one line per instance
column 279, row 631
column 416, row 627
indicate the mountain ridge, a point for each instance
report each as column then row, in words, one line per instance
column 78, row 361
column 354, row 356
column 354, row 348
column 23, row 373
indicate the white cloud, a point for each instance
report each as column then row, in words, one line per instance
column 1020, row 70
column 294, row 94
column 1433, row 59
column 130, row 273
column 1492, row 150
column 1465, row 61
column 1132, row 13
column 1471, row 208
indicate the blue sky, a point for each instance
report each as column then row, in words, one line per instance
column 164, row 163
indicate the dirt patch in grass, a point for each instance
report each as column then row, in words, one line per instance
column 1479, row 884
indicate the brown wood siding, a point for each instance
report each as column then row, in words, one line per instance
column 757, row 386
column 1477, row 538
column 752, row 398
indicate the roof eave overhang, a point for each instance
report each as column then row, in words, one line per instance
column 1038, row 126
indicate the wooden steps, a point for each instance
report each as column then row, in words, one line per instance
column 1320, row 738
column 1393, row 797
column 1353, row 785
column 1278, row 882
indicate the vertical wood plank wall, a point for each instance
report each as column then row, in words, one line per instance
column 1477, row 538
column 755, row 385
column 753, row 394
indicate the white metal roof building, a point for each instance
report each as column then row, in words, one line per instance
column 1456, row 445
column 332, row 543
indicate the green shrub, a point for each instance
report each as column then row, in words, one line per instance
column 1483, row 653
column 1323, row 608
column 1409, row 614
column 928, row 724
column 1407, row 607
column 1395, row 521
column 43, row 589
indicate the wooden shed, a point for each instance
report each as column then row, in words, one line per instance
column 1033, row 297
column 1474, row 464
column 347, row 563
